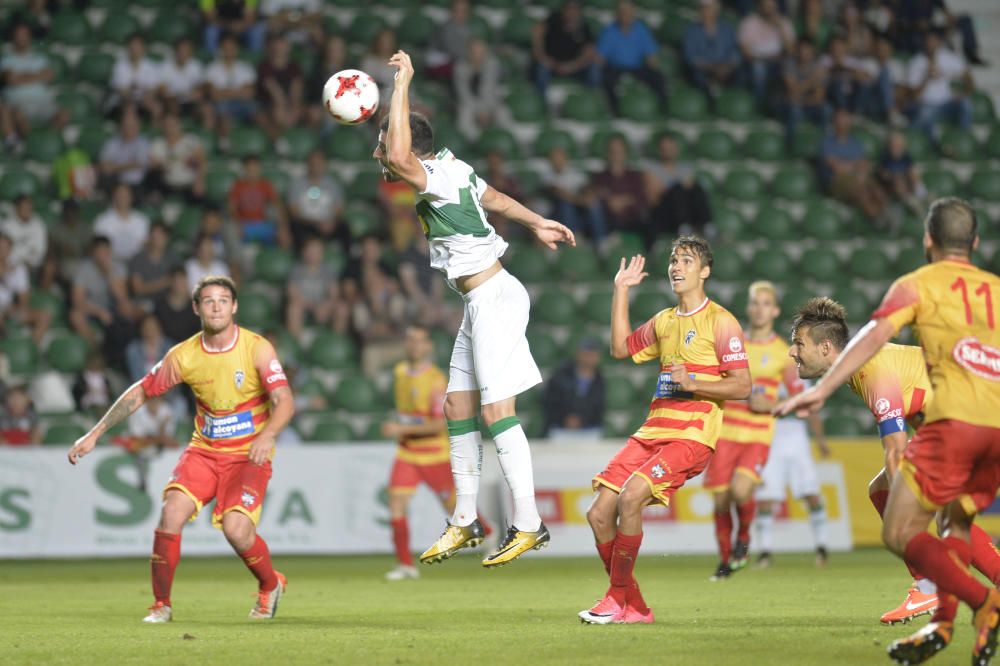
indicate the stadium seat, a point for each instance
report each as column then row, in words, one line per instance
column 647, row 303
column 992, row 146
column 446, row 136
column 169, row 26
column 60, row 68
column 555, row 138
column 822, row 222
column 364, row 27
column 910, row 259
column 416, row 29
column 21, row 353
column 362, row 219
column 736, row 105
column 982, row 108
column 364, row 187
column 331, row 430
column 985, row 185
column 597, row 307
column 67, row 353
column 95, row 68
column 546, row 351
column 729, row 223
column 871, row 141
column 248, row 141
column 792, row 297
column 919, row 146
column 578, row 264
column 91, row 138
column 517, row 30
column 299, row 142
column 218, row 182
column 622, row 244
column 585, row 107
column 771, row 263
column 278, row 177
column 764, row 145
column 807, row 140
column 820, row 264
column 529, row 181
column 529, row 264
column 350, row 145
column 727, row 264
column 554, row 306
column 118, row 26
column 940, row 182
column 869, row 263
column 16, row 182
column 43, row 145
column 793, row 184
column 80, row 106
column 671, row 30
column 743, row 185
column 619, row 393
column 716, row 145
column 70, row 28
column 687, row 104
column 63, row 434
column 273, row 265
column 773, row 224
column 332, row 351
column 187, row 225
column 855, row 301
column 959, row 144
column 526, row 105
column 356, row 394
column 598, row 148
column 640, row 104
column 500, row 140
column 51, row 302
column 256, row 311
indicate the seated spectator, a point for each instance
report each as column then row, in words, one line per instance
column 847, row 172
column 174, row 310
column 376, row 61
column 892, row 94
column 182, row 79
column 422, row 286
column 125, row 156
column 476, row 80
column 622, row 192
column 935, row 76
column 573, row 203
column 135, row 79
column 573, row 404
column 237, row 18
column 151, row 428
column 805, row 86
column 333, row 59
column 149, row 270
column 710, row 51
column 451, row 43
column 226, row 240
column 27, row 233
column 126, row 227
column 680, row 204
column 300, row 21
column 145, row 351
column 852, row 80
column 231, row 88
column 501, row 180
column 914, row 18
column 19, row 424
column 856, row 33
column 311, row 290
column 15, row 291
column 177, row 162
column 562, row 45
column 255, row 205
column 627, row 46
column 75, row 175
column 765, row 38
column 70, row 239
column 204, row 262
column 316, row 204
column 279, row 88
column 27, row 93
column 99, row 298
column 814, row 24
column 899, row 175
column 91, row 387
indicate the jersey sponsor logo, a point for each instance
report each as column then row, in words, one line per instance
column 735, row 344
column 239, row 376
column 688, row 338
column 888, row 416
column 276, row 378
column 275, row 366
column 230, row 426
column 729, row 358
column 881, row 406
column 979, row 359
column 666, row 387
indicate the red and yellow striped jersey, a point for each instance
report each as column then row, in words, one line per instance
column 419, row 394
column 709, row 342
column 231, row 388
column 770, row 367
column 895, row 386
column 951, row 307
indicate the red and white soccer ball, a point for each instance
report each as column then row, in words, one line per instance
column 351, row 96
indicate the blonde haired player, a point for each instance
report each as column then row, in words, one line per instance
column 491, row 363
column 243, row 401
column 747, row 430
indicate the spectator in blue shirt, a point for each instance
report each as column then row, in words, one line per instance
column 710, row 50
column 627, row 47
column 845, row 169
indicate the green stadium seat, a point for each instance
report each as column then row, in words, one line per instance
column 416, row 29
column 256, row 311
column 362, row 219
column 546, row 351
column 358, row 394
column 79, row 105
column 446, row 136
column 529, row 264
column 743, row 185
column 871, row 141
column 910, row 259
column 556, row 307
column 529, row 181
column 820, row 263
column 959, row 144
column 21, row 353
column 771, row 263
column 792, row 297
column 619, row 393
column 60, row 68
column 299, row 142
column 50, row 302
column 500, row 140
column 373, row 433
column 247, row 141
column 737, row 305
column 764, row 145
column 941, row 182
column 91, row 139
column 842, row 423
column 526, row 105
column 716, row 145
column 982, row 108
column 333, row 351
column 70, row 28
column 822, row 222
column 729, row 223
column 331, row 430
column 640, row 104
column 807, row 140
column 597, row 307
column 43, row 145
column 585, row 107
column 95, row 68
column 16, row 182
column 218, row 182
column 869, row 263
column 63, row 434
column 67, row 353
column 278, row 177
column 623, row 244
column 364, row 27
column 727, row 264
column 794, row 184
column 646, row 304
column 919, row 146
column 773, row 224
column 671, row 30
column 517, row 30
column 273, row 265
column 598, row 147
column 364, row 187
column 736, row 105
column 350, row 145
column 653, row 145
column 992, row 146
column 687, row 104
column 859, row 307
column 187, row 225
column 985, row 185
column 550, row 139
column 169, row 26
column 578, row 264
column 117, row 27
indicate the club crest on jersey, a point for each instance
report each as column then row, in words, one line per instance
column 901, row 424
column 657, row 471
column 688, row 338
column 247, row 499
column 239, row 376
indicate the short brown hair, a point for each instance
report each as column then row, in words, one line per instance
column 421, row 133
column 825, row 318
column 696, row 244
column 213, row 281
column 952, row 225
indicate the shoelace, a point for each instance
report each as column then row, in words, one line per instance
column 511, row 533
column 263, row 599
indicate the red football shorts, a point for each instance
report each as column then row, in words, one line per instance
column 732, row 457
column 949, row 460
column 236, row 483
column 664, row 464
column 406, row 476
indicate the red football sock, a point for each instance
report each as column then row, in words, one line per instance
column 745, row 512
column 948, row 560
column 605, row 550
column 724, row 533
column 634, row 595
column 623, row 564
column 947, row 608
column 258, row 561
column 163, row 563
column 879, row 498
column 985, row 556
column 401, row 540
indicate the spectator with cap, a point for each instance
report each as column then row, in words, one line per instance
column 710, row 50
column 562, row 45
column 27, row 233
column 627, row 46
column 574, row 400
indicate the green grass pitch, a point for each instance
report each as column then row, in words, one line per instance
column 338, row 610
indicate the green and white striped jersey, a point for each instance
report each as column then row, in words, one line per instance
column 461, row 241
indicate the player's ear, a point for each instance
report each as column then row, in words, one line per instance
column 975, row 243
column 236, row 306
column 705, row 272
column 928, row 243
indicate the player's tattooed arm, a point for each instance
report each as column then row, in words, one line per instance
column 129, row 401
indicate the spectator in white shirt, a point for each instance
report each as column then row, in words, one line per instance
column 232, row 84
column 125, row 156
column 125, row 227
column 15, row 287
column 28, row 234
column 26, row 77
column 765, row 37
column 135, row 79
column 204, row 262
column 182, row 78
column 931, row 76
column 177, row 161
column 476, row 79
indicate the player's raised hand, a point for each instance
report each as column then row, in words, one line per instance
column 260, row 450
column 552, row 233
column 81, row 447
column 631, row 275
column 802, row 404
column 404, row 68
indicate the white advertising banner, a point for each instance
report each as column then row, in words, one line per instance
column 333, row 499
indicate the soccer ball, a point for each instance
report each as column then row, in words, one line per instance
column 351, row 96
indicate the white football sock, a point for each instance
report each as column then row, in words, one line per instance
column 514, row 455
column 817, row 520
column 765, row 531
column 926, row 586
column 466, row 465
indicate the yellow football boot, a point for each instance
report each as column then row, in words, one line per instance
column 515, row 544
column 452, row 540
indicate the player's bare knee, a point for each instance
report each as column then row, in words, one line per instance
column 496, row 411
column 631, row 500
column 458, row 407
column 601, row 516
column 239, row 530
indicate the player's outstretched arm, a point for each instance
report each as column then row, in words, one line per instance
column 626, row 278
column 548, row 231
column 398, row 139
column 129, row 401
